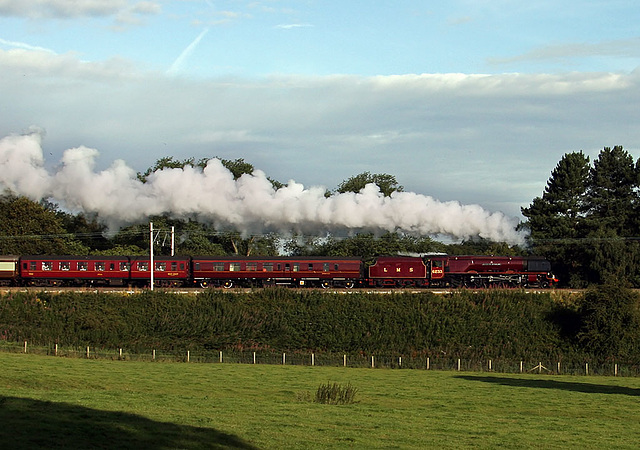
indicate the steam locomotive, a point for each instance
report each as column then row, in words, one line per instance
column 261, row 271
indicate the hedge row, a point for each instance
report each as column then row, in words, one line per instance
column 470, row 325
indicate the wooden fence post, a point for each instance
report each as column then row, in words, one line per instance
column 400, row 361
column 373, row 365
column 188, row 355
column 313, row 359
column 615, row 370
column 87, row 352
column 153, row 357
column 254, row 357
column 586, row 368
column 489, row 365
column 458, row 364
column 284, row 359
column 56, row 350
column 428, row 363
column 25, row 346
column 220, row 355
column 344, row 360
column 521, row 366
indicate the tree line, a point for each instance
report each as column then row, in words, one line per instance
column 587, row 221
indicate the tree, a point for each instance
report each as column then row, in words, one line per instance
column 612, row 195
column 385, row 182
column 31, row 228
column 612, row 221
column 610, row 321
column 556, row 220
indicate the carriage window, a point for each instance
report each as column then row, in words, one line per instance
column 296, row 267
column 174, row 266
column 143, row 266
column 267, row 267
column 325, row 267
column 310, row 266
column 252, row 266
column 287, row 267
column 335, row 267
column 99, row 266
column 32, row 265
column 124, row 266
column 83, row 265
column 218, row 267
column 161, row 266
column 47, row 265
column 65, row 266
column 112, row 266
column 234, row 267
column 197, row 266
column 181, row 266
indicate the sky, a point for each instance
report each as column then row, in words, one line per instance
column 462, row 101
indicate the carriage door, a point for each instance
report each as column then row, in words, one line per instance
column 437, row 269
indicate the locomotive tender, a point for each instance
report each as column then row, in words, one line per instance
column 212, row 271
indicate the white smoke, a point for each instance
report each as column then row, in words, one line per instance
column 249, row 204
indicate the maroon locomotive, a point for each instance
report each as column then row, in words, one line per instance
column 461, row 271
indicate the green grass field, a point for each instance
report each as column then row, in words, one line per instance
column 51, row 402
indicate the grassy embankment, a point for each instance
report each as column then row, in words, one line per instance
column 79, row 403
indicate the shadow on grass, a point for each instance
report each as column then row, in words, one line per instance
column 588, row 388
column 28, row 424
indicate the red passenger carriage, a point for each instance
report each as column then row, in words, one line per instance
column 74, row 270
column 266, row 271
column 170, row 271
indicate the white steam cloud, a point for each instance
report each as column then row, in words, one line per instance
column 249, row 204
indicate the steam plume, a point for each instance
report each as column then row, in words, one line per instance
column 249, row 204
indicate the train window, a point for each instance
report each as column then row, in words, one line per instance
column 197, row 266
column 287, row 267
column 161, row 266
column 279, row 266
column 47, row 265
column 234, row 267
column 32, row 265
column 83, row 265
column 310, row 267
column 267, row 267
column 100, row 266
column 65, row 265
column 143, row 266
column 181, row 266
column 325, row 267
column 112, row 266
column 218, row 267
column 296, row 267
column 252, row 266
column 124, row 266
column 174, row 266
column 335, row 267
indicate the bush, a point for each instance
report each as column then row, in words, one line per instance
column 335, row 394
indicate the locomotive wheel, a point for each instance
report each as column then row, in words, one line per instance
column 204, row 284
column 349, row 284
column 326, row 284
column 227, row 284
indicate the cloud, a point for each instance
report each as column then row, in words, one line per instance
column 626, row 48
column 25, row 46
column 480, row 139
column 290, row 26
column 65, row 9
